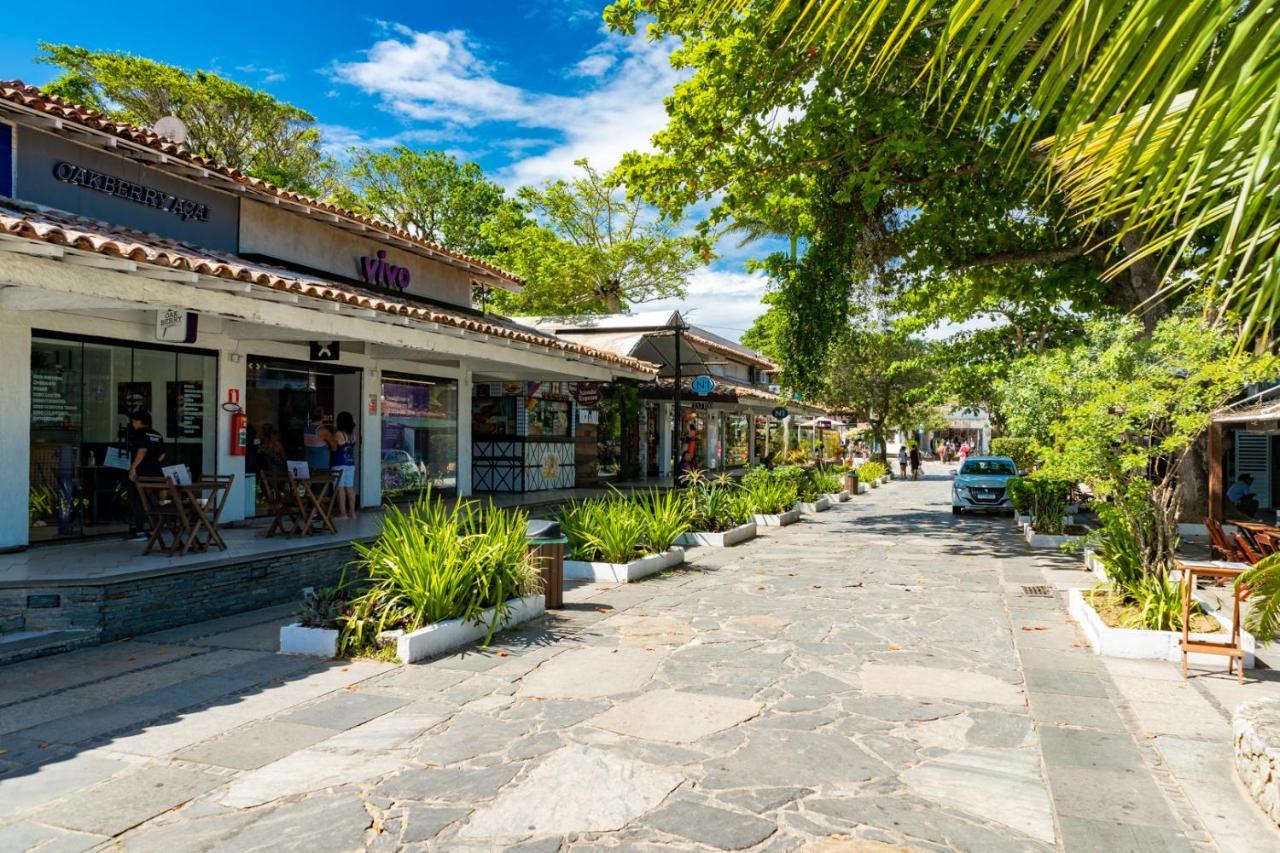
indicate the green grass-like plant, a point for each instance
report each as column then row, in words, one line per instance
column 872, row 469
column 1262, row 585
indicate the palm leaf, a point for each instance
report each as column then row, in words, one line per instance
column 1262, row 582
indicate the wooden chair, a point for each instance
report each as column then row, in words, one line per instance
column 167, row 513
column 206, row 500
column 287, row 510
column 1222, row 547
column 1247, row 549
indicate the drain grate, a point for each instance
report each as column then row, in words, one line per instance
column 1038, row 591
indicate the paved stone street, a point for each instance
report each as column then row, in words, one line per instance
column 871, row 679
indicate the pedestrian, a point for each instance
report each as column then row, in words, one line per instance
column 964, row 453
column 318, row 441
column 146, row 453
column 344, row 462
column 915, row 462
column 902, row 461
column 270, row 456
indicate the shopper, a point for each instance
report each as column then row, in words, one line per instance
column 902, row 461
column 146, row 455
column 271, row 456
column 914, row 455
column 318, row 441
column 344, row 463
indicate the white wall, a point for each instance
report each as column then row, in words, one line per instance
column 464, row 433
column 232, row 376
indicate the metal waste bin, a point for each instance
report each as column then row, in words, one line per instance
column 546, row 546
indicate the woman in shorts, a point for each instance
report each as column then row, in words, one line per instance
column 344, row 462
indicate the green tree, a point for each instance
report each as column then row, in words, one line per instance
column 428, row 193
column 227, row 122
column 879, row 375
column 584, row 247
column 1160, row 114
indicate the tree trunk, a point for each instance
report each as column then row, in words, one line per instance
column 1193, row 476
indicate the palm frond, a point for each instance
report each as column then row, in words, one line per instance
column 1262, row 582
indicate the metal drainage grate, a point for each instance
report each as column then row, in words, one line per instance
column 1038, row 591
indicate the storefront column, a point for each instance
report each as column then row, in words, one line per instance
column 712, row 431
column 751, row 438
column 233, row 385
column 15, row 433
column 370, row 426
column 464, row 431
column 665, row 413
column 786, row 435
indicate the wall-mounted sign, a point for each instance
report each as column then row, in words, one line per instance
column 178, row 327
column 588, row 395
column 377, row 271
column 780, row 413
column 703, row 385
column 91, row 179
column 700, row 405
column 325, row 350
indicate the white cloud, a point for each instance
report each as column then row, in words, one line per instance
column 440, row 78
column 723, row 300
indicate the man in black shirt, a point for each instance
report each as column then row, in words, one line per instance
column 146, row 453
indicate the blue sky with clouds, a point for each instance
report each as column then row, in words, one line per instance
column 523, row 88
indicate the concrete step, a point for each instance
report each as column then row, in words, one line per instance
column 23, row 645
column 12, row 621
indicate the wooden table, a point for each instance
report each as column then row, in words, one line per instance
column 298, row 503
column 205, row 499
column 1191, row 569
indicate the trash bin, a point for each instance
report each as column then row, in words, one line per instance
column 546, row 546
column 851, row 481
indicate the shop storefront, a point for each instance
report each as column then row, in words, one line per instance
column 419, row 435
column 523, row 437
column 83, row 391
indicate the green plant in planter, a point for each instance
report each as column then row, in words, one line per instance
column 326, row 608
column 608, row 530
column 436, row 563
column 717, row 506
column 1262, row 585
column 1021, row 494
column 770, row 492
column 1048, row 505
column 871, row 470
column 665, row 516
column 830, row 480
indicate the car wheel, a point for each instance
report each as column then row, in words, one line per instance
column 955, row 510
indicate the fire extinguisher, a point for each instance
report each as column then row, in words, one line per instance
column 239, row 433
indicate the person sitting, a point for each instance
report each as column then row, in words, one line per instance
column 1241, row 495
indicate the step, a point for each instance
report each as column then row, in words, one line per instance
column 24, row 645
column 12, row 621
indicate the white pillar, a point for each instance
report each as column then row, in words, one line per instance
column 15, row 433
column 233, row 376
column 370, row 420
column 464, row 431
column 710, row 434
column 666, row 410
column 751, row 438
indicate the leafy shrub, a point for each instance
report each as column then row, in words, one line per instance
column 1017, row 449
column 829, row 479
column 1021, row 493
column 326, row 608
column 619, row 529
column 716, row 506
column 872, row 470
column 665, row 515
column 795, row 457
column 436, row 563
column 771, row 492
column 1048, row 504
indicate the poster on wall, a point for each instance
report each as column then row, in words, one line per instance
column 52, row 400
column 132, row 396
column 186, row 408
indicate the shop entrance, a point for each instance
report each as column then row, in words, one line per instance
column 280, row 396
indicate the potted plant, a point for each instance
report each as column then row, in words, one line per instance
column 719, row 513
column 620, row 539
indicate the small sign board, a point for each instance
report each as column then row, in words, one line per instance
column 780, row 413
column 588, row 395
column 325, row 350
column 177, row 327
column 702, row 385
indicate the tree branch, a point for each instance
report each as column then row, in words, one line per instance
column 1042, row 256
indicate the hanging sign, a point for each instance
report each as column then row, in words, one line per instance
column 176, row 327
column 325, row 350
column 780, row 413
column 702, row 385
column 588, row 395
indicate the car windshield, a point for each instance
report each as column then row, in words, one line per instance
column 988, row 466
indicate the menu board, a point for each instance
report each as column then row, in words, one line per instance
column 186, row 408
column 54, row 399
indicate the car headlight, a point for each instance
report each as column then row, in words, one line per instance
column 962, row 491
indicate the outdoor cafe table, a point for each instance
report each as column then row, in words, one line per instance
column 1218, row 569
column 298, row 502
column 204, row 499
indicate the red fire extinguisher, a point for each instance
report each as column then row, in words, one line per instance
column 239, row 433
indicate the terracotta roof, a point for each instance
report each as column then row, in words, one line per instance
column 725, row 347
column 64, row 229
column 17, row 92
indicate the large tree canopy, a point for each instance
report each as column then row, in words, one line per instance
column 228, row 122
column 584, row 247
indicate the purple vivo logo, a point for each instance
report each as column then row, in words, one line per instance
column 378, row 271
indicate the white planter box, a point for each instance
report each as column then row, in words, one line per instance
column 791, row 516
column 735, row 536
column 875, row 484
column 886, row 478
column 1045, row 540
column 863, row 488
column 297, row 640
column 811, row 507
column 623, row 572
column 1147, row 645
column 839, row 497
column 1094, row 564
column 443, row 636
column 1022, row 519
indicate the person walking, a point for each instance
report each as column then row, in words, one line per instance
column 344, row 462
column 902, row 461
column 915, row 458
column 146, row 453
column 963, row 454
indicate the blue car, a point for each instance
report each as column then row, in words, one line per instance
column 982, row 484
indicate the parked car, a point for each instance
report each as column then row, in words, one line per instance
column 982, row 484
column 399, row 471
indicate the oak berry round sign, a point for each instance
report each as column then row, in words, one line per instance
column 780, row 413
column 703, row 385
column 588, row 396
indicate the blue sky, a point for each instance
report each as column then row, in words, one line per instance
column 523, row 88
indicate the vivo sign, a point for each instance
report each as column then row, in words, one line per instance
column 378, row 272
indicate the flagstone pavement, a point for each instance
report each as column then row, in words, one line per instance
column 872, row 679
